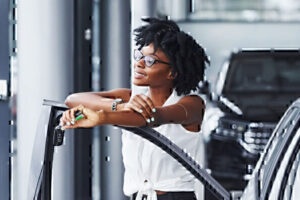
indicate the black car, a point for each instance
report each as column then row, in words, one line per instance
column 251, row 93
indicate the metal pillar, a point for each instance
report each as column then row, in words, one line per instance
column 115, row 73
column 83, row 83
column 4, row 103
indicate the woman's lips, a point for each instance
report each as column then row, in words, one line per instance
column 138, row 75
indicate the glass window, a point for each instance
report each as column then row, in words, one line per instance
column 265, row 73
column 245, row 10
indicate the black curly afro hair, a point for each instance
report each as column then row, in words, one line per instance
column 188, row 59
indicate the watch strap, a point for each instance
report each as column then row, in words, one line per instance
column 115, row 103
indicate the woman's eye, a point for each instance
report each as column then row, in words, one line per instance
column 137, row 55
column 149, row 60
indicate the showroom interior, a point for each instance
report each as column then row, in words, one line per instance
column 51, row 49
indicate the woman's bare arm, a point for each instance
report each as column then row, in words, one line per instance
column 188, row 110
column 97, row 100
column 124, row 118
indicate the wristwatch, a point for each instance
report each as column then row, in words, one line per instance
column 115, row 103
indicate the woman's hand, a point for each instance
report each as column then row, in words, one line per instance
column 142, row 104
column 91, row 118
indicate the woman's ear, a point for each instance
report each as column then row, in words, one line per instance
column 172, row 75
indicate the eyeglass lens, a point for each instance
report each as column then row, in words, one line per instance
column 148, row 60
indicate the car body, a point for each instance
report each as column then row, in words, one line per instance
column 253, row 89
column 277, row 173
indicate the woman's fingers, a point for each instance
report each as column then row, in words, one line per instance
column 68, row 117
column 134, row 106
column 143, row 111
column 91, row 118
column 143, row 105
column 63, row 119
column 72, row 113
column 140, row 109
column 140, row 100
column 148, row 105
column 149, row 102
column 69, row 126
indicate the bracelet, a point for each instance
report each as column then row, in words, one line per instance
column 115, row 103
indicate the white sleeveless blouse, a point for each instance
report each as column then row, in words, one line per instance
column 149, row 168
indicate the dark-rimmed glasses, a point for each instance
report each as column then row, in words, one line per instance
column 148, row 60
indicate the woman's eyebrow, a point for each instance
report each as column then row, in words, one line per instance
column 155, row 55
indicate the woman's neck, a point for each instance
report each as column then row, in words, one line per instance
column 160, row 95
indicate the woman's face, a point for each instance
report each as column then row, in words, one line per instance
column 156, row 75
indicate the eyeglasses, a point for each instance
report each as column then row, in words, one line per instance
column 148, row 60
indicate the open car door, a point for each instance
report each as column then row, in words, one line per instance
column 47, row 137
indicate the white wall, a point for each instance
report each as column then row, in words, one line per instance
column 220, row 38
column 44, row 44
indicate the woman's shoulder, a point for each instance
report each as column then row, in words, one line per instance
column 195, row 102
column 191, row 97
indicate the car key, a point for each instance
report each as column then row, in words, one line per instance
column 58, row 136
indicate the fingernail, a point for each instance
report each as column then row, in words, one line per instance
column 63, row 128
column 153, row 109
column 152, row 119
column 73, row 122
column 68, row 123
column 140, row 110
column 61, row 124
column 148, row 120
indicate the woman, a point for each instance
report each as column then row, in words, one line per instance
column 171, row 64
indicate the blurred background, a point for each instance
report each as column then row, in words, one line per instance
column 52, row 48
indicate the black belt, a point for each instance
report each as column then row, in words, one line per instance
column 171, row 195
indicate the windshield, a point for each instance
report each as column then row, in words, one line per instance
column 264, row 72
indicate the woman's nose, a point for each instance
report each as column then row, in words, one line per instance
column 140, row 63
